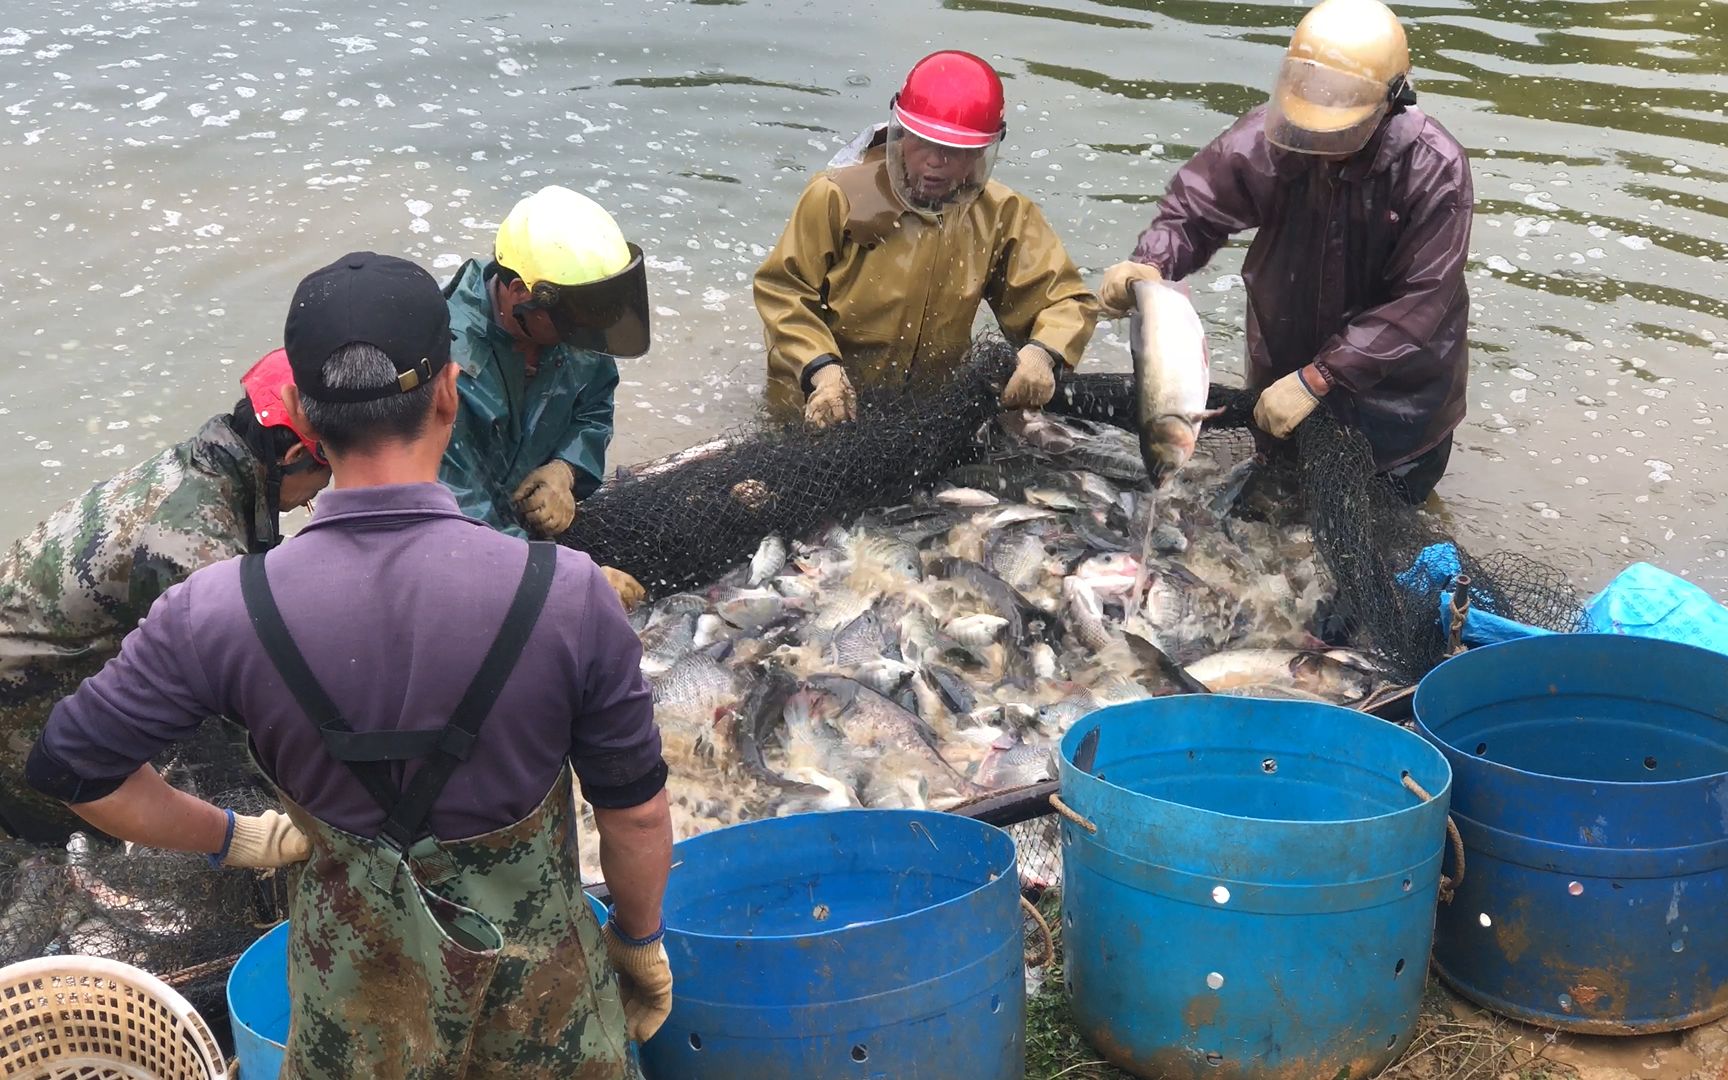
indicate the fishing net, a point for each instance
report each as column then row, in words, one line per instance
column 1369, row 538
column 681, row 523
column 169, row 913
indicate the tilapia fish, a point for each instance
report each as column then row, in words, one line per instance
column 1171, row 377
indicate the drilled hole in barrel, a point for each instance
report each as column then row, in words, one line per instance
column 1565, row 1002
column 1214, row 1059
column 1576, row 888
column 995, row 1003
column 1215, row 980
column 1677, row 946
column 1391, row 1041
column 695, row 1041
column 1269, row 766
column 1220, row 895
column 1484, row 919
column 1068, row 920
column 1407, row 884
column 1650, row 763
column 860, row 1053
column 1398, row 968
column 1481, row 748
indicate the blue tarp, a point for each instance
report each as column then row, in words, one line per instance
column 1643, row 601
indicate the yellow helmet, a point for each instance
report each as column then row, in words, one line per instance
column 1347, row 63
column 582, row 272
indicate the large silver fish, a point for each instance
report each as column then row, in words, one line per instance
column 1172, row 375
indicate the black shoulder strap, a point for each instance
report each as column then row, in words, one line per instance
column 407, row 817
column 367, row 753
column 291, row 665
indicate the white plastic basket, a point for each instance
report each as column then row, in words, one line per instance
column 85, row 1018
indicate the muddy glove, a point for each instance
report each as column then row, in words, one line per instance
column 1116, row 293
column 1034, row 379
column 547, row 498
column 261, row 842
column 831, row 398
column 1286, row 403
column 629, row 590
column 644, row 977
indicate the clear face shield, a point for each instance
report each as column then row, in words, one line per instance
column 1320, row 110
column 931, row 177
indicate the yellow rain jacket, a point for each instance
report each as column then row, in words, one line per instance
column 893, row 293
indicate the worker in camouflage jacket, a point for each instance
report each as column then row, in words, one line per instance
column 78, row 584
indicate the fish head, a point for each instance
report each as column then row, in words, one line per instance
column 1167, row 447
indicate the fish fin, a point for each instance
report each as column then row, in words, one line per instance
column 1146, row 650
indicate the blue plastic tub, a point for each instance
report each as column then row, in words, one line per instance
column 1258, row 898
column 1592, row 793
column 258, row 1001
column 859, row 943
column 258, row 1005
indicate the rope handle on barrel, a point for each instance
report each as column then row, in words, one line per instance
column 1448, row 885
column 1068, row 812
column 1048, row 952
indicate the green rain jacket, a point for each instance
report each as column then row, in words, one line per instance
column 508, row 425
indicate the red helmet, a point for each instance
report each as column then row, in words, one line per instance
column 952, row 98
column 263, row 385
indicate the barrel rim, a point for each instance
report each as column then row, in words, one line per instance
column 999, row 874
column 1491, row 767
column 1069, row 769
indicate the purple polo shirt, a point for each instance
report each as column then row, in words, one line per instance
column 393, row 596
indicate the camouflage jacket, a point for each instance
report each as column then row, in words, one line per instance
column 78, row 584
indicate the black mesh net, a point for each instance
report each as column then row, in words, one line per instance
column 682, row 522
column 168, row 913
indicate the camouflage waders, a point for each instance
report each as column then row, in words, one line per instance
column 422, row 959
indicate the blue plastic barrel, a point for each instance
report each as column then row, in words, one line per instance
column 258, row 1001
column 857, row 943
column 258, row 1005
column 1258, row 898
column 1592, row 793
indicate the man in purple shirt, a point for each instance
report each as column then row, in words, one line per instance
column 1355, row 276
column 419, row 688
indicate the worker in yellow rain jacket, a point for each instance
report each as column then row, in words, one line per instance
column 879, row 274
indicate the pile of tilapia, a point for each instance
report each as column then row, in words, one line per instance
column 932, row 652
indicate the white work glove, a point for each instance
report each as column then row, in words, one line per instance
column 1116, row 293
column 644, row 978
column 831, row 397
column 630, row 591
column 1033, row 382
column 268, row 840
column 547, row 497
column 1286, row 403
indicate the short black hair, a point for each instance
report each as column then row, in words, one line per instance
column 269, row 444
column 346, row 426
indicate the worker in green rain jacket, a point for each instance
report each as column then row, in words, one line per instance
column 535, row 332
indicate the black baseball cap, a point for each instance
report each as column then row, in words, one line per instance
column 378, row 300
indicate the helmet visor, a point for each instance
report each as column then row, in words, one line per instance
column 608, row 316
column 1320, row 110
column 930, row 177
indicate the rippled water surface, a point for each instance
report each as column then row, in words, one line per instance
column 168, row 170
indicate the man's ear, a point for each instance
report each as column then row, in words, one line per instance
column 445, row 397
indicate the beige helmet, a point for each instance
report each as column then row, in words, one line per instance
column 1347, row 64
